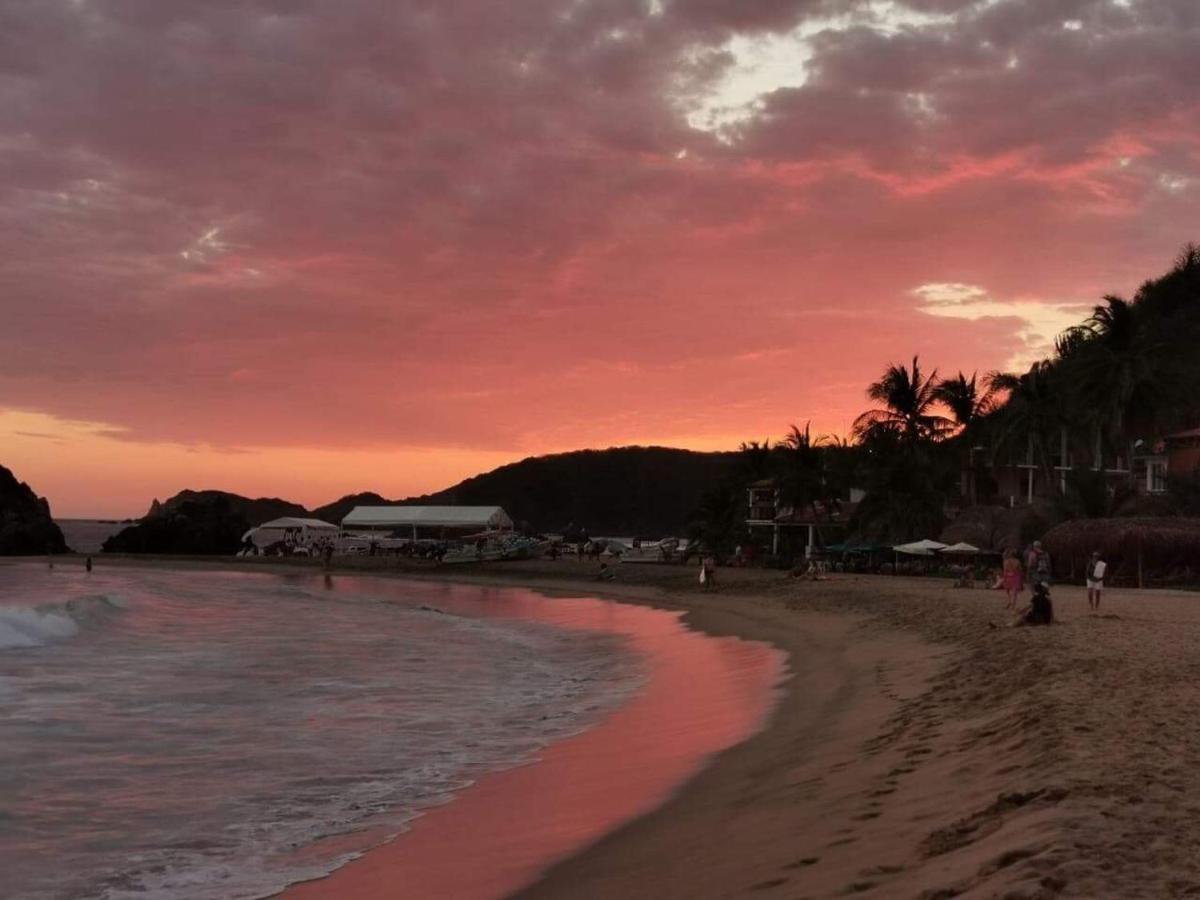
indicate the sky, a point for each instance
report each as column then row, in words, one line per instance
column 303, row 247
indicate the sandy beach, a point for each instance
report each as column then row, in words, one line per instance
column 917, row 752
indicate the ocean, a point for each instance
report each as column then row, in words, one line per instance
column 196, row 734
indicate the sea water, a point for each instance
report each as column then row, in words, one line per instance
column 191, row 734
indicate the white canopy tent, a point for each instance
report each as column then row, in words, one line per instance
column 301, row 531
column 473, row 518
column 920, row 548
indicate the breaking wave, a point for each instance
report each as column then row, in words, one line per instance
column 37, row 626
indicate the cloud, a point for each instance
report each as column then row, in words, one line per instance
column 1037, row 322
column 507, row 228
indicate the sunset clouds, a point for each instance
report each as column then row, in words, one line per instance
column 481, row 230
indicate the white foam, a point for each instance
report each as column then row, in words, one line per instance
column 37, row 626
column 297, row 713
column 23, row 627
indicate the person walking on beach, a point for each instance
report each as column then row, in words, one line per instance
column 1095, row 580
column 1037, row 565
column 1013, row 578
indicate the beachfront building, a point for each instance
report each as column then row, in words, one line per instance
column 426, row 521
column 1016, row 479
column 1175, row 455
column 793, row 529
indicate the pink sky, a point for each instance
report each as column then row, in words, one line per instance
column 305, row 248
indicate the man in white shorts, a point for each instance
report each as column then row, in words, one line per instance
column 1095, row 580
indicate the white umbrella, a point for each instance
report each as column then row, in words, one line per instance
column 961, row 547
column 920, row 548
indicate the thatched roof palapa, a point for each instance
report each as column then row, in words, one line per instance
column 1138, row 550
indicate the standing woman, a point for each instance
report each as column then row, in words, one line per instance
column 1013, row 578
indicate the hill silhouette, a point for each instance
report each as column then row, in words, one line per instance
column 256, row 511
column 649, row 491
column 25, row 523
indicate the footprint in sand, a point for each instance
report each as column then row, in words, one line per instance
column 769, row 883
column 803, row 863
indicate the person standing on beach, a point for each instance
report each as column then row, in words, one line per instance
column 1030, row 560
column 1043, row 565
column 708, row 569
column 1013, row 578
column 1037, row 565
column 1095, row 580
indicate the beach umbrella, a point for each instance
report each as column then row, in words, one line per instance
column 961, row 547
column 920, row 548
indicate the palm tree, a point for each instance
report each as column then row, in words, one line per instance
column 802, row 473
column 908, row 398
column 968, row 408
column 904, row 491
column 754, row 461
column 1033, row 413
column 1117, row 374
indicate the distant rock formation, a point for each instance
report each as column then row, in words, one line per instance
column 209, row 523
column 25, row 523
column 255, row 511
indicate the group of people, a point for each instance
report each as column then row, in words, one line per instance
column 1035, row 573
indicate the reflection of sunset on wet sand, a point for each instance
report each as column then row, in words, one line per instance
column 702, row 695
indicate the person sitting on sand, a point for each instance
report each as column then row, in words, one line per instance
column 1095, row 580
column 1012, row 579
column 1040, row 610
column 606, row 573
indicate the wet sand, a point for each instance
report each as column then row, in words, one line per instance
column 918, row 752
column 701, row 695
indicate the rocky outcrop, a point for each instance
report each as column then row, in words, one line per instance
column 206, row 525
column 25, row 523
column 255, row 511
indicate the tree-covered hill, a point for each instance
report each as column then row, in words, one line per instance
column 649, row 491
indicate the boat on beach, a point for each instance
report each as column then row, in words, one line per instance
column 494, row 547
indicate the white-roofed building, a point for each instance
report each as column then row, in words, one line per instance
column 299, row 531
column 456, row 518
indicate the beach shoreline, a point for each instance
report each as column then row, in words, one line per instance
column 932, row 757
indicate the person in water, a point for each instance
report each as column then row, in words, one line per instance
column 88, row 564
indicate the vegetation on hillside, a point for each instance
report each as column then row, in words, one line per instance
column 1128, row 373
column 927, row 445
